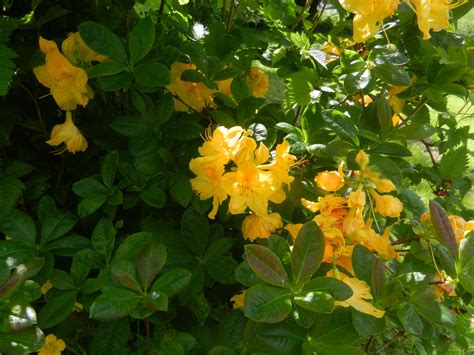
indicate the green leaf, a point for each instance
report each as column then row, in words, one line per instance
column 28, row 340
column 61, row 280
column 100, row 39
column 392, row 149
column 103, row 238
column 11, row 190
column 56, row 225
column 115, row 82
column 221, row 268
column 384, row 116
column 435, row 312
column 130, row 126
column 154, row 196
column 280, row 339
column 354, row 82
column 410, row 319
column 150, row 261
column 268, row 304
column 125, row 279
column 105, row 69
column 110, row 337
column 442, row 227
column 454, row 163
column 88, row 186
column 366, row 325
column 19, row 318
column 336, row 288
column 57, row 308
column 152, row 74
column 141, row 39
column 90, row 204
column 239, row 88
column 362, row 263
column 172, row 281
column 19, row 226
column 131, row 246
column 320, row 302
column 392, row 74
column 195, row 231
column 231, row 328
column 182, row 129
column 22, row 272
column 192, row 76
column 266, row 265
column 307, row 253
column 181, row 191
column 81, row 266
column 341, row 124
column 303, row 317
column 113, row 304
column 108, row 168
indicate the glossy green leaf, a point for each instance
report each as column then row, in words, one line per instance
column 266, row 265
column 150, row 261
column 320, row 302
column 172, row 281
column 57, row 308
column 268, row 304
column 141, row 39
column 102, row 40
column 307, row 253
column 113, row 304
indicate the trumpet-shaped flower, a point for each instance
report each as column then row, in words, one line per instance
column 356, row 199
column 68, row 134
column 330, row 180
column 360, row 296
column 432, row 15
column 387, row 205
column 369, row 15
column 77, row 51
column 191, row 95
column 68, row 83
column 254, row 226
column 258, row 81
column 209, row 181
column 52, row 346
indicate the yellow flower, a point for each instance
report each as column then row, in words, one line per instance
column 433, row 14
column 356, row 199
column 238, row 300
column 362, row 159
column 330, row 180
column 258, row 82
column 396, row 103
column 209, row 181
column 75, row 49
column 375, row 242
column 254, row 226
column 224, row 87
column 361, row 295
column 7, row 237
column 68, row 134
column 387, row 205
column 46, row 287
column 381, row 185
column 52, row 346
column 68, row 83
column 460, row 227
column 369, row 16
column 194, row 95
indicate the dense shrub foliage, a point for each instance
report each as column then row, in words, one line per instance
column 236, row 177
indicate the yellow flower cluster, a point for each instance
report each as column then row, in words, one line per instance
column 63, row 74
column 198, row 96
column 52, row 346
column 370, row 15
column 341, row 218
column 231, row 165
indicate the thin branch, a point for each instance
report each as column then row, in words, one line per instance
column 318, row 19
column 415, row 111
column 428, row 149
column 301, row 14
column 405, row 241
column 161, row 10
column 38, row 111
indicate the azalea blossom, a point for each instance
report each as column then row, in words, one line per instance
column 68, row 134
column 369, row 16
column 387, row 205
column 191, row 95
column 330, row 180
column 258, row 81
column 360, row 296
column 52, row 346
column 68, row 83
column 254, row 226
